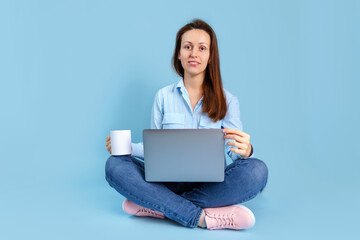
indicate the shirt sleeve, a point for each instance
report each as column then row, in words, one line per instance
column 137, row 150
column 232, row 121
column 155, row 123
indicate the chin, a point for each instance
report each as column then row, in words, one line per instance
column 194, row 73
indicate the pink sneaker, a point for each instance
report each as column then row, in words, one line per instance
column 140, row 211
column 230, row 217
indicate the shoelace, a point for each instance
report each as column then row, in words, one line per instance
column 147, row 210
column 225, row 220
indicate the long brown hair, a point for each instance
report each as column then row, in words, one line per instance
column 214, row 102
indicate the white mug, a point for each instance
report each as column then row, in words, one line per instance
column 120, row 142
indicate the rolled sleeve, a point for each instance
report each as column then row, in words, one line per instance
column 137, row 150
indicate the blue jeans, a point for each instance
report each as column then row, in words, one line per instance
column 183, row 202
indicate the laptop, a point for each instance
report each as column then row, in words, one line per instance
column 184, row 155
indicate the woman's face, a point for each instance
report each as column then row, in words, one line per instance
column 194, row 51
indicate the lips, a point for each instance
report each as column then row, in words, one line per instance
column 194, row 63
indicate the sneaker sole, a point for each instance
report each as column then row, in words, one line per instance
column 250, row 213
column 123, row 204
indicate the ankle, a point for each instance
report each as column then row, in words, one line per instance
column 202, row 220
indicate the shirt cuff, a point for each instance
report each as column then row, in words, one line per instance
column 137, row 150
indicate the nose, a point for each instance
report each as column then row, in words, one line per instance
column 194, row 53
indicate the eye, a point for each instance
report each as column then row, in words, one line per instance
column 202, row 48
column 187, row 47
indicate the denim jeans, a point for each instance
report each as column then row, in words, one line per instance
column 183, row 202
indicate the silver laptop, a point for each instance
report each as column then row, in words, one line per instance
column 184, row 155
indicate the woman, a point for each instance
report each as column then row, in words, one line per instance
column 197, row 100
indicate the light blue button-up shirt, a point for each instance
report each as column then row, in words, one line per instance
column 172, row 109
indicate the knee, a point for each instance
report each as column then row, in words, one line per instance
column 113, row 166
column 259, row 172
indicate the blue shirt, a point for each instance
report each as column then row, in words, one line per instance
column 172, row 109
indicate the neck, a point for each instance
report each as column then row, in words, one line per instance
column 194, row 83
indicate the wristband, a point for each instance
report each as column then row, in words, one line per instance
column 252, row 150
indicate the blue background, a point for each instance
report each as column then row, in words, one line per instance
column 71, row 71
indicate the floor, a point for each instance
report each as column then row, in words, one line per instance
column 73, row 203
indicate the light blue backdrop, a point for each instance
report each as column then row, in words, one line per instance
column 71, row 71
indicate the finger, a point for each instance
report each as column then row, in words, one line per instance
column 108, row 138
column 238, row 151
column 109, row 149
column 233, row 143
column 235, row 137
column 235, row 131
column 241, row 146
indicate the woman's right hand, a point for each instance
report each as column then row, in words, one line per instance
column 108, row 144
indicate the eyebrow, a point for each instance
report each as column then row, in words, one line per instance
column 199, row 42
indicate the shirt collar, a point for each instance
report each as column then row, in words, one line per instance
column 180, row 85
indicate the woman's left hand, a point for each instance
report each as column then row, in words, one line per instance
column 242, row 141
